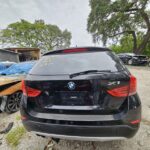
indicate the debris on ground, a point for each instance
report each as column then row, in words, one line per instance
column 49, row 145
column 7, row 129
column 14, row 136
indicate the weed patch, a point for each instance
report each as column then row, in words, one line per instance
column 14, row 136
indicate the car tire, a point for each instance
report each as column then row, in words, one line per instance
column 130, row 62
column 13, row 102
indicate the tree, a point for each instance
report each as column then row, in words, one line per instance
column 125, row 44
column 109, row 19
column 37, row 34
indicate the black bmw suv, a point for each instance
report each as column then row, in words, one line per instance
column 81, row 94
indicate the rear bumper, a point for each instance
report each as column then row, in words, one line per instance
column 81, row 132
column 81, row 138
column 76, row 132
column 80, row 127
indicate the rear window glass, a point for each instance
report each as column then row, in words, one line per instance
column 76, row 62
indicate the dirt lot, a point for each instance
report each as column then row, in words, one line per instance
column 140, row 142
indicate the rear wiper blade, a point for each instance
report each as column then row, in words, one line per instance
column 89, row 71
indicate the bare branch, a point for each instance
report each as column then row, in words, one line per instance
column 129, row 32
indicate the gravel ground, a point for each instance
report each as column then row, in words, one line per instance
column 140, row 142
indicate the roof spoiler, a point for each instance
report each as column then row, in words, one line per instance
column 77, row 50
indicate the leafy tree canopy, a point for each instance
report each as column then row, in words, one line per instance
column 109, row 19
column 125, row 44
column 37, row 34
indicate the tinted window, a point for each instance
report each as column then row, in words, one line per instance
column 72, row 63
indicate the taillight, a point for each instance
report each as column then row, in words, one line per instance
column 119, row 92
column 23, row 87
column 133, row 85
column 125, row 90
column 31, row 92
column 74, row 50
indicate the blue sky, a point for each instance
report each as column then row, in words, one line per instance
column 67, row 14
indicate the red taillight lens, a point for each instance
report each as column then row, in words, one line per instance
column 133, row 85
column 74, row 50
column 23, row 87
column 31, row 92
column 125, row 90
column 119, row 92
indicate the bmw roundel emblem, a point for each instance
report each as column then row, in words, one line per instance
column 71, row 85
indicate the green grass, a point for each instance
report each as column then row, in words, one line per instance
column 18, row 117
column 14, row 136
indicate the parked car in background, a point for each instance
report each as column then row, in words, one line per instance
column 133, row 59
column 81, row 94
column 126, row 57
column 10, row 85
column 10, row 93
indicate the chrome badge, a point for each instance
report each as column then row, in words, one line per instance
column 71, row 85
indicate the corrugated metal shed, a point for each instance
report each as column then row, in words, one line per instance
column 6, row 55
column 26, row 54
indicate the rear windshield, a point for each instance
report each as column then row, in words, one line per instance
column 77, row 62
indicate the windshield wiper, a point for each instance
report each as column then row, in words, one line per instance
column 89, row 71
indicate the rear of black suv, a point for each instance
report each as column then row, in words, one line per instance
column 81, row 94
